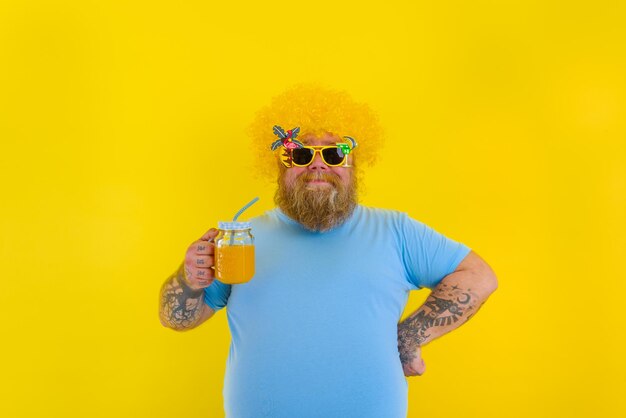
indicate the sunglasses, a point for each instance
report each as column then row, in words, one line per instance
column 331, row 155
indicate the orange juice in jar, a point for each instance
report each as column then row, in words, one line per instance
column 234, row 252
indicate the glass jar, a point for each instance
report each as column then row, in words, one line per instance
column 234, row 252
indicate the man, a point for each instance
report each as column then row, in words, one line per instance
column 315, row 333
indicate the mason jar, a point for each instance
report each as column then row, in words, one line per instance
column 234, row 252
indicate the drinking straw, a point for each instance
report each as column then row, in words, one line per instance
column 250, row 203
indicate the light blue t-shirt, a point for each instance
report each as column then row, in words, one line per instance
column 314, row 333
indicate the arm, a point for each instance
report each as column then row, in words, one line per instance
column 181, row 306
column 451, row 303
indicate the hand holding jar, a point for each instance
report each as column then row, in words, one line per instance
column 199, row 259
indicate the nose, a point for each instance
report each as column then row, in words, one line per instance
column 318, row 163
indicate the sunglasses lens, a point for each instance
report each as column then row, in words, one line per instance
column 333, row 156
column 302, row 156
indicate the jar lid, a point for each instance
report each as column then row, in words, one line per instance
column 234, row 225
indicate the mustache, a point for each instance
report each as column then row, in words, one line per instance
column 329, row 177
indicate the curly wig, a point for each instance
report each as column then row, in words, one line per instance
column 316, row 110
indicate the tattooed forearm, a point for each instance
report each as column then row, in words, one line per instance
column 180, row 305
column 446, row 308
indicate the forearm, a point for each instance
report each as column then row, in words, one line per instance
column 181, row 307
column 451, row 303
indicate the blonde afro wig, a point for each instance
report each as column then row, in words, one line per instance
column 316, row 110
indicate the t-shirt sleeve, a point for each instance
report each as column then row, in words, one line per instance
column 428, row 255
column 216, row 295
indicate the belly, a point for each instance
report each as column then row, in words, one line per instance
column 327, row 379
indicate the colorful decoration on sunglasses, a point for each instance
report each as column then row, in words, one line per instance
column 353, row 143
column 346, row 148
column 286, row 139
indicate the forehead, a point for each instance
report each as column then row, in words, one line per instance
column 325, row 139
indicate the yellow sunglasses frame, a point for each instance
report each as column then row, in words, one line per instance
column 316, row 149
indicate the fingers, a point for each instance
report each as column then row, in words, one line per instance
column 198, row 278
column 420, row 368
column 200, row 255
column 201, row 261
column 201, row 248
column 202, row 275
column 416, row 367
column 199, row 268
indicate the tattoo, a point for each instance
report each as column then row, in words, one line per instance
column 201, row 248
column 445, row 306
column 187, row 273
column 200, row 261
column 180, row 304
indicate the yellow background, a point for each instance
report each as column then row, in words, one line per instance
column 121, row 125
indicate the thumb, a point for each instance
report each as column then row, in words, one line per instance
column 210, row 234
